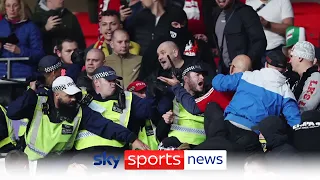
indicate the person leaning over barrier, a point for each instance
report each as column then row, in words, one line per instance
column 258, row 94
column 57, row 117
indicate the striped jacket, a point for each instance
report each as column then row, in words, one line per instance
column 259, row 94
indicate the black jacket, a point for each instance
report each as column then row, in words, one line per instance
column 243, row 32
column 83, row 81
column 69, row 28
column 142, row 29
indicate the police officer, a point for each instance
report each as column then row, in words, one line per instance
column 148, row 130
column 57, row 117
column 7, row 138
column 179, row 123
column 122, row 107
column 49, row 68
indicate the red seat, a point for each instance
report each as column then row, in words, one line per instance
column 307, row 15
column 90, row 31
column 305, row 7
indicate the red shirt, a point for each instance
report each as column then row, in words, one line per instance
column 221, row 98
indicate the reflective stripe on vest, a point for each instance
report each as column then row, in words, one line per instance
column 11, row 136
column 186, row 127
column 31, row 139
column 87, row 139
column 23, row 127
column 188, row 130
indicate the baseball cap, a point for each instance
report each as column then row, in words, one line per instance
column 65, row 84
column 194, row 68
column 277, row 58
column 49, row 63
column 105, row 72
column 136, row 86
column 293, row 35
column 304, row 49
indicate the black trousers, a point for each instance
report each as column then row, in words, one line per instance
column 236, row 139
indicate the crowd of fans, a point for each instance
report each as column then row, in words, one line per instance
column 151, row 81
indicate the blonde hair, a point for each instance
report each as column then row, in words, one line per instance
column 22, row 13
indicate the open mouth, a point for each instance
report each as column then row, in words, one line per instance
column 221, row 2
column 163, row 62
column 200, row 83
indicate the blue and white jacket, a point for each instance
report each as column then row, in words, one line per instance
column 259, row 94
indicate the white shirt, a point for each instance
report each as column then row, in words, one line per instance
column 274, row 11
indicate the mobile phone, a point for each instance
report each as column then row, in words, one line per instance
column 124, row 3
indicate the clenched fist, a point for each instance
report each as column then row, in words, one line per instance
column 168, row 117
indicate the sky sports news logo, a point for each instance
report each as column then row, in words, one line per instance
column 166, row 160
column 176, row 160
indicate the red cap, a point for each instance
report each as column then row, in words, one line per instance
column 136, row 86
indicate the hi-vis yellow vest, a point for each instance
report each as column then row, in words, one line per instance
column 45, row 137
column 186, row 127
column 109, row 110
column 24, row 122
column 148, row 135
column 10, row 138
column 23, row 127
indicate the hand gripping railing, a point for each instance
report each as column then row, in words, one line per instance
column 7, row 79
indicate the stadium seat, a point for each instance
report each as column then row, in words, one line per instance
column 90, row 31
column 305, row 7
column 306, row 15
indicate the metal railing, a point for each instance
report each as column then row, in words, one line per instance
column 8, row 79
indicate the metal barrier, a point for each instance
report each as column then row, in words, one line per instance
column 8, row 79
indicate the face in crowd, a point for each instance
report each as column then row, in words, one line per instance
column 223, row 4
column 164, row 50
column 95, row 58
column 195, row 81
column 12, row 8
column 108, row 24
column 56, row 4
column 105, row 87
column 67, row 48
column 120, row 42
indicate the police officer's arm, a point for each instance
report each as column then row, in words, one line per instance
column 290, row 108
column 23, row 106
column 141, row 108
column 185, row 98
column 97, row 124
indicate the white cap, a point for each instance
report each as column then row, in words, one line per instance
column 65, row 84
column 304, row 49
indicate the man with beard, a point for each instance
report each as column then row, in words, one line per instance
column 57, row 118
column 307, row 89
column 122, row 107
column 193, row 105
column 179, row 123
